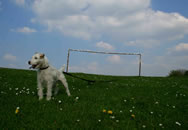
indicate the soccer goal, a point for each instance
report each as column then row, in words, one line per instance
column 106, row 53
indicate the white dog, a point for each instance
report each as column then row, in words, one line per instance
column 47, row 75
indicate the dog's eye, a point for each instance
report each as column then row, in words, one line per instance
column 36, row 58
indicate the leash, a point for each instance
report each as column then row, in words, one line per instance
column 89, row 81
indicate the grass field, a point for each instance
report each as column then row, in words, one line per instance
column 133, row 103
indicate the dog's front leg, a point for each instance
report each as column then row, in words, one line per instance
column 40, row 90
column 49, row 90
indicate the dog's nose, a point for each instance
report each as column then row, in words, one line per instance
column 29, row 62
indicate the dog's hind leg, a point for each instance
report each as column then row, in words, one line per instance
column 64, row 82
column 56, row 89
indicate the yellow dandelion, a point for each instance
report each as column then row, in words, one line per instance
column 17, row 110
column 104, row 110
column 110, row 112
column 133, row 116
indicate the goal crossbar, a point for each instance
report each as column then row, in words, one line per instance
column 100, row 52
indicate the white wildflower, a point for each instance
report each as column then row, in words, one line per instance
column 112, row 117
column 143, row 126
column 177, row 123
column 156, row 102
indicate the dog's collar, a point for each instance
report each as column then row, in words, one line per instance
column 44, row 68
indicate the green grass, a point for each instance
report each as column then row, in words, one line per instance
column 156, row 102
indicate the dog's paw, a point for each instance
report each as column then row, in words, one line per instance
column 48, row 98
column 40, row 98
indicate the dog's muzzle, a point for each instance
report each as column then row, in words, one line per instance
column 32, row 66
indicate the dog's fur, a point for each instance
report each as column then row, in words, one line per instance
column 47, row 75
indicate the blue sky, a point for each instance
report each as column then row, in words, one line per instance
column 158, row 29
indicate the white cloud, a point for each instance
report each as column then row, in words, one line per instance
column 10, row 57
column 182, row 47
column 107, row 69
column 1, row 8
column 147, row 43
column 175, row 57
column 20, row 2
column 33, row 20
column 25, row 30
column 104, row 45
column 12, row 66
column 179, row 49
column 91, row 67
column 171, row 62
column 114, row 59
column 122, row 20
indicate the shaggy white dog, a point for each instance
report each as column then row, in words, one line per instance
column 47, row 75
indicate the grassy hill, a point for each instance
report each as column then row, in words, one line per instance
column 133, row 103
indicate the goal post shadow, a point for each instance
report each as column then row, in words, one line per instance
column 100, row 52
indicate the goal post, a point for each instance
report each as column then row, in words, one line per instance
column 100, row 52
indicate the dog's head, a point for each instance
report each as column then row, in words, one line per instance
column 37, row 61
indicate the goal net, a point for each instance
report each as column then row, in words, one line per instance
column 106, row 63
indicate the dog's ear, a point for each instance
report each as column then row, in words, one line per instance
column 42, row 56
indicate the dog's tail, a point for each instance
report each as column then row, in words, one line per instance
column 62, row 69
